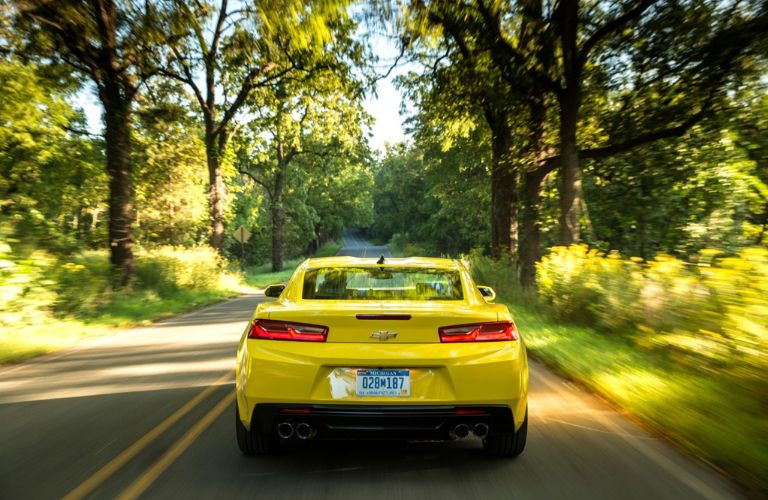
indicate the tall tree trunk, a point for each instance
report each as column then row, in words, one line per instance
column 278, row 220
column 570, row 101
column 530, row 234
column 117, row 137
column 503, row 194
column 570, row 173
column 535, row 172
column 216, row 186
column 278, row 213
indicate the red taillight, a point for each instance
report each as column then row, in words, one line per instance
column 284, row 330
column 470, row 412
column 479, row 332
column 296, row 411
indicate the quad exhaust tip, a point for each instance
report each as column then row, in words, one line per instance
column 480, row 430
column 305, row 431
column 460, row 431
column 285, row 430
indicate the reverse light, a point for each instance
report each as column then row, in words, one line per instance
column 285, row 330
column 479, row 332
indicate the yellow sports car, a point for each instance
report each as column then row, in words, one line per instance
column 366, row 348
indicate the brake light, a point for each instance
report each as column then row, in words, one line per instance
column 470, row 412
column 296, row 411
column 284, row 330
column 479, row 332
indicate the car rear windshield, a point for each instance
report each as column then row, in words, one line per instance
column 382, row 283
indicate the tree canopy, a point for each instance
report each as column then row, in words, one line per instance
column 636, row 126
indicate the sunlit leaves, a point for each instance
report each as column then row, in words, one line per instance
column 51, row 182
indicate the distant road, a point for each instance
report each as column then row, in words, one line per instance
column 355, row 246
column 149, row 412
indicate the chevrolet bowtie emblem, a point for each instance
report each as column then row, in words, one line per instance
column 383, row 335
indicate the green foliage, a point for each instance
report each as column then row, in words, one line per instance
column 261, row 276
column 712, row 311
column 167, row 270
column 52, row 188
column 400, row 246
column 436, row 201
column 39, row 288
column 23, row 294
column 680, row 345
column 276, row 59
column 171, row 181
column 679, row 197
column 686, row 402
column 80, row 284
column 498, row 274
column 306, row 153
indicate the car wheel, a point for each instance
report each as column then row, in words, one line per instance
column 507, row 444
column 253, row 443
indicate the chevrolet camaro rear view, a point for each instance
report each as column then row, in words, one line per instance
column 395, row 348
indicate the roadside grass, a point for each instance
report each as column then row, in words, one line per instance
column 262, row 276
column 714, row 410
column 400, row 246
column 52, row 334
column 59, row 305
column 713, row 416
column 50, row 304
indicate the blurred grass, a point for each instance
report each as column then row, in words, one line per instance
column 682, row 347
column 400, row 246
column 710, row 416
column 22, row 342
column 262, row 276
column 48, row 304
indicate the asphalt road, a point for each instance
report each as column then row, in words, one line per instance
column 149, row 412
column 355, row 246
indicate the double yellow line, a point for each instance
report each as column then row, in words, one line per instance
column 150, row 475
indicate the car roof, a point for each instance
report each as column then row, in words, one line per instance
column 340, row 261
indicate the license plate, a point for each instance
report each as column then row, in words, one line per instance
column 388, row 383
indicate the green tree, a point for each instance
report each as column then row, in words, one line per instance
column 224, row 52
column 171, row 185
column 107, row 42
column 297, row 132
column 52, row 184
column 556, row 57
column 400, row 198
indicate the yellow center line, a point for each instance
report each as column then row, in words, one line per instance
column 93, row 482
column 149, row 476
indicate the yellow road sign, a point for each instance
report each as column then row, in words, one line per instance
column 242, row 234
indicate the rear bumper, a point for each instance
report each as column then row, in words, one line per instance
column 274, row 375
column 384, row 421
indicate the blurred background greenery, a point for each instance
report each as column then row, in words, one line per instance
column 603, row 165
column 683, row 345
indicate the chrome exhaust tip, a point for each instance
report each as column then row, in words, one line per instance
column 305, row 431
column 480, row 430
column 285, row 430
column 460, row 431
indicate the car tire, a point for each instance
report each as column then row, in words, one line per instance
column 507, row 444
column 253, row 443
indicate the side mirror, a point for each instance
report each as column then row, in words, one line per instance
column 487, row 292
column 274, row 290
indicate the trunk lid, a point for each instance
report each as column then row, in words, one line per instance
column 400, row 322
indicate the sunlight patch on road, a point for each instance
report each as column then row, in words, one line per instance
column 116, row 380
